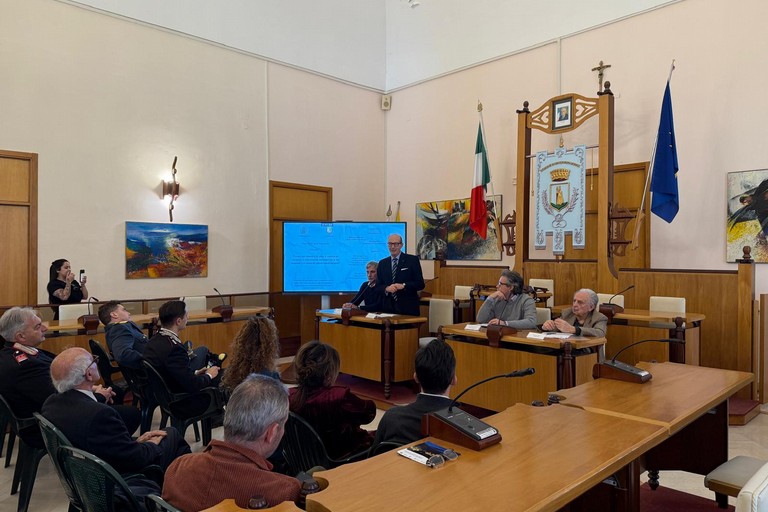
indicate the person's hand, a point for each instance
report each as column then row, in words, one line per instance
column 153, row 436
column 69, row 277
column 549, row 325
column 212, row 372
column 564, row 326
column 348, row 305
column 83, row 280
column 495, row 321
column 496, row 295
column 105, row 392
column 200, row 371
column 391, row 288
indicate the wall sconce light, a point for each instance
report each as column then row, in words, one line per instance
column 171, row 188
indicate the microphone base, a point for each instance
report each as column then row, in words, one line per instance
column 459, row 427
column 90, row 322
column 616, row 370
column 225, row 312
column 610, row 310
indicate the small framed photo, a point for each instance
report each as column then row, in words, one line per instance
column 562, row 113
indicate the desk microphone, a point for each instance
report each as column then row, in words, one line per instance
column 457, row 426
column 609, row 309
column 94, row 299
column 617, row 370
column 90, row 321
column 224, row 310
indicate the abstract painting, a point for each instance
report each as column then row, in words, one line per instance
column 157, row 250
column 443, row 232
column 747, row 215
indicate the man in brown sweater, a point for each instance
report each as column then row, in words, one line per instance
column 237, row 468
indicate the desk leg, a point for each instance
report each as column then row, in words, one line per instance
column 677, row 350
column 317, row 327
column 567, row 367
column 388, row 356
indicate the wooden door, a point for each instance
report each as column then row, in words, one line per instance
column 294, row 314
column 18, row 228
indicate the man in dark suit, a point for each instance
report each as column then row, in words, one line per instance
column 125, row 340
column 96, row 427
column 399, row 279
column 25, row 372
column 436, row 374
column 166, row 352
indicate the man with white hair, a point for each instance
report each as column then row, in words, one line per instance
column 237, row 467
column 25, row 372
column 582, row 318
column 98, row 428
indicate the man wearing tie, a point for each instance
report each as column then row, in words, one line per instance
column 399, row 279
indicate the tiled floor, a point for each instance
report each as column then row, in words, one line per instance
column 751, row 439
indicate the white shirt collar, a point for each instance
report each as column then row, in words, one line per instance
column 88, row 393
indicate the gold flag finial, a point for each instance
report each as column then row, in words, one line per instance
column 479, row 106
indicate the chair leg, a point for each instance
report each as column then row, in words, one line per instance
column 206, row 426
column 197, row 432
column 722, row 500
column 163, row 420
column 11, row 442
column 32, row 458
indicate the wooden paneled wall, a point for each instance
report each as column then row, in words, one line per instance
column 569, row 276
column 446, row 277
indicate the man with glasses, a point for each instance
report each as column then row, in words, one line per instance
column 25, row 372
column 399, row 279
column 508, row 305
column 98, row 428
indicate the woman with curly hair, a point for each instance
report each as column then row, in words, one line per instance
column 255, row 349
column 333, row 411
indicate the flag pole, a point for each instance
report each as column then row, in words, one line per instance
column 490, row 183
column 641, row 211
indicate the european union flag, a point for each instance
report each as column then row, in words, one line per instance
column 665, row 201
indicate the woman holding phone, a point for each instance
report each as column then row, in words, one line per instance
column 63, row 285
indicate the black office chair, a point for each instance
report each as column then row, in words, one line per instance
column 5, row 421
column 54, row 439
column 382, row 447
column 97, row 485
column 139, row 385
column 106, row 370
column 27, row 460
column 304, row 449
column 175, row 404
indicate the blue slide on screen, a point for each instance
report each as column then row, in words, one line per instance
column 330, row 257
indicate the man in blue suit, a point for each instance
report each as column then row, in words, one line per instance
column 125, row 339
column 399, row 279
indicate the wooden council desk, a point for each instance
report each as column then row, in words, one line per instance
column 559, row 363
column 380, row 349
column 689, row 402
column 638, row 324
column 548, row 457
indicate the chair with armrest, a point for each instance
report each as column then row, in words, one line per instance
column 440, row 313
column 542, row 315
column 155, row 503
column 753, row 497
column 72, row 312
column 27, row 460
column 731, row 477
column 603, row 298
column 139, row 385
column 5, row 421
column 106, row 370
column 549, row 284
column 97, row 485
column 54, row 439
column 196, row 303
column 666, row 304
column 303, row 449
column 173, row 404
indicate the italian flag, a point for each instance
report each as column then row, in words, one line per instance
column 478, row 213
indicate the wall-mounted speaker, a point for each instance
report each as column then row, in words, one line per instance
column 386, row 101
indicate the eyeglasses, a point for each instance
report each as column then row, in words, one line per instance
column 436, row 461
column 94, row 361
column 500, row 283
column 395, row 243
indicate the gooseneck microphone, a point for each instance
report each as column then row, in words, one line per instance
column 516, row 373
column 610, row 301
column 221, row 297
column 457, row 426
column 617, row 370
column 224, row 310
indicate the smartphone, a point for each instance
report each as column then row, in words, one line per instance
column 82, row 274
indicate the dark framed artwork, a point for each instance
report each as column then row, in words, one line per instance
column 747, row 210
column 562, row 113
column 156, row 250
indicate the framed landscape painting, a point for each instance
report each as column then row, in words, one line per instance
column 157, row 250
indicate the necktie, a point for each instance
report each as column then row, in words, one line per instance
column 394, row 268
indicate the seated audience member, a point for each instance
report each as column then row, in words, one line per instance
column 97, row 428
column 255, row 349
column 581, row 319
column 508, row 305
column 333, row 411
column 125, row 340
column 367, row 298
column 25, row 372
column 436, row 374
column 237, row 467
column 166, row 352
